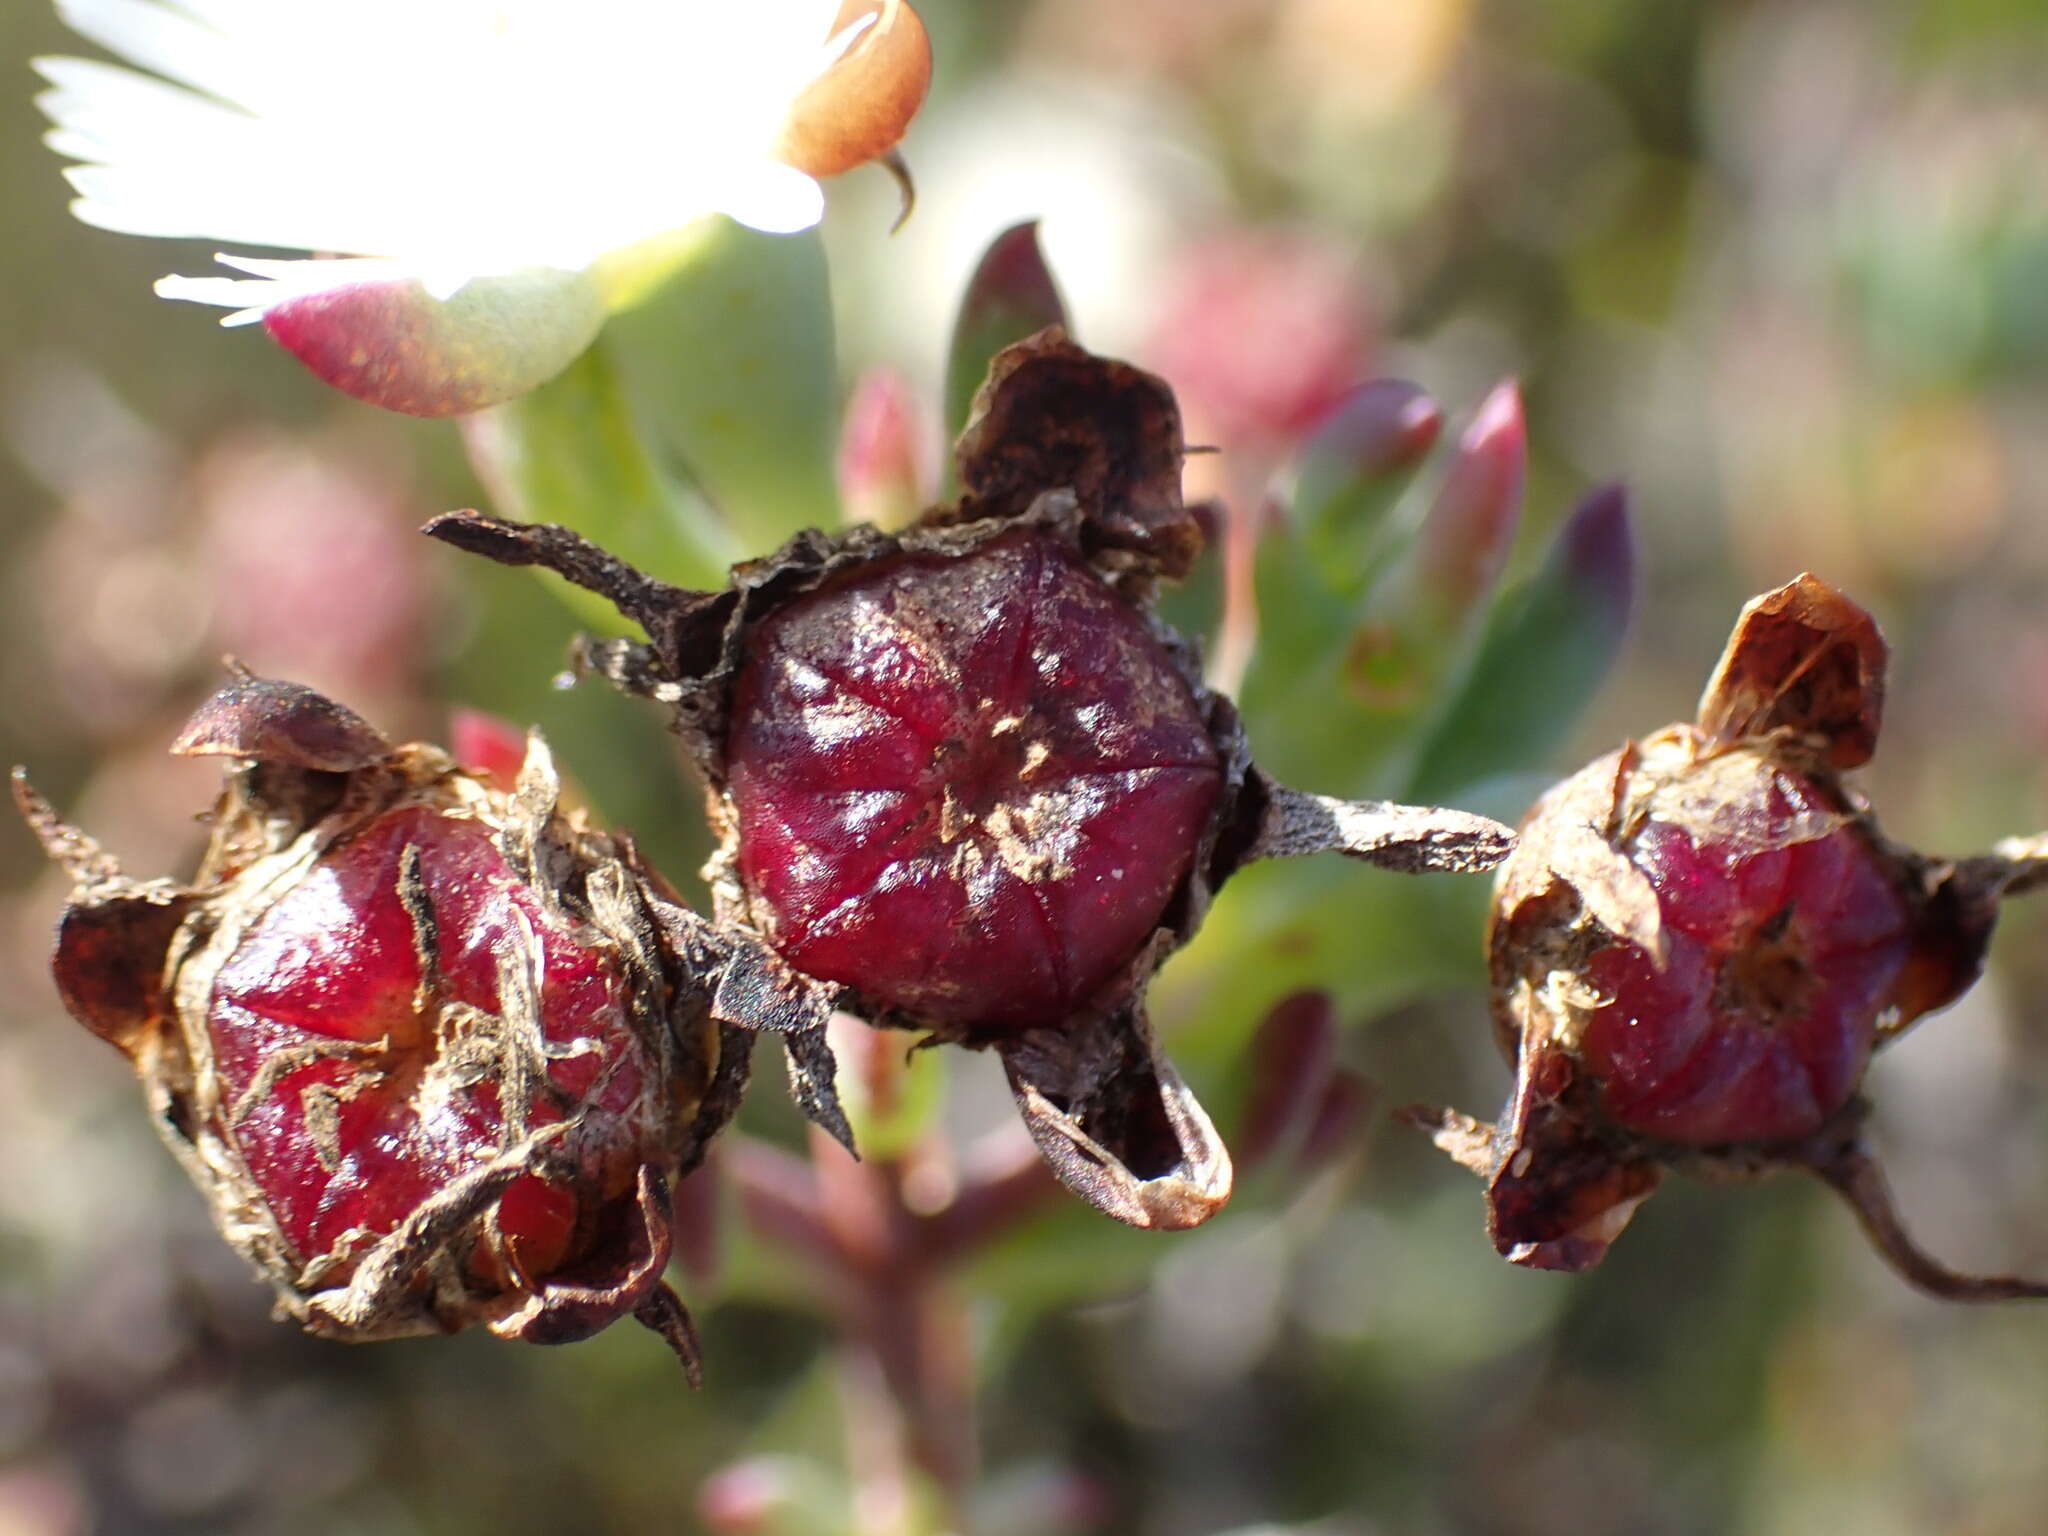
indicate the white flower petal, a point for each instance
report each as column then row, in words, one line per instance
column 172, row 43
column 774, row 198
column 455, row 137
column 273, row 282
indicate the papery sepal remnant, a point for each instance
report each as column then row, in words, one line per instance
column 1701, row 940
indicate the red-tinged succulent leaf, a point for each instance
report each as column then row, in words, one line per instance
column 967, row 788
column 1378, row 428
column 860, row 108
column 1290, row 1062
column 393, row 344
column 1470, row 529
column 1548, row 646
column 1339, row 1122
column 1353, row 461
column 1803, row 659
column 1011, row 296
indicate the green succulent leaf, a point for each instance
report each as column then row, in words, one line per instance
column 572, row 452
column 723, row 343
column 1369, row 938
column 1010, row 296
column 1341, row 686
column 1549, row 644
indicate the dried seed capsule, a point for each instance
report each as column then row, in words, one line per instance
column 1701, row 940
column 426, row 1045
column 964, row 770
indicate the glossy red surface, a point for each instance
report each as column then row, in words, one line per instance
column 1779, row 962
column 967, row 787
column 375, row 1103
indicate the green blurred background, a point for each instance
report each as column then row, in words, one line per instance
column 1781, row 267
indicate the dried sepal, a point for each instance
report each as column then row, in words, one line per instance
column 985, row 703
column 1557, row 1196
column 752, row 991
column 110, row 935
column 1053, row 416
column 1806, row 660
column 1116, row 1124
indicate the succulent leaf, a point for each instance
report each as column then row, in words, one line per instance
column 725, row 353
column 1010, row 296
column 1548, row 645
column 393, row 344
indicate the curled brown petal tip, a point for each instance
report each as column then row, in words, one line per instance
column 858, row 108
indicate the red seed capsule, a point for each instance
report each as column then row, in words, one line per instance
column 966, row 787
column 415, row 1037
column 1699, row 943
column 1745, row 1007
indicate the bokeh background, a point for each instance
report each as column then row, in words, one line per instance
column 1780, row 265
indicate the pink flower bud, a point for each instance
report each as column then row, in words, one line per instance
column 1261, row 332
column 881, row 458
column 1471, row 526
column 488, row 746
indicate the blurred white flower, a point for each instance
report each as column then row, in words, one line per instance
column 441, row 141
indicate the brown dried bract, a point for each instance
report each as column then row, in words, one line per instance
column 1805, row 660
column 1053, row 416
